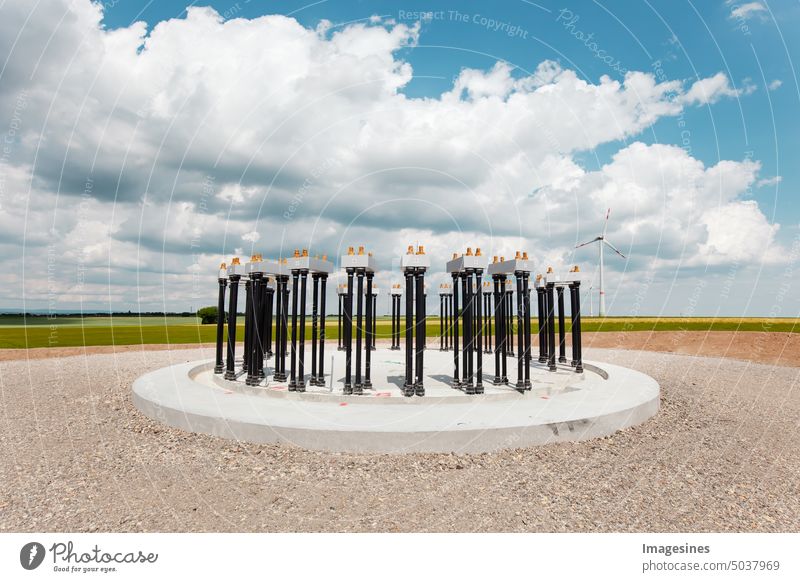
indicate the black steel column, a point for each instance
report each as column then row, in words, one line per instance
column 466, row 346
column 314, row 327
column 489, row 348
column 577, row 355
column 425, row 317
column 450, row 320
column 230, row 372
column 370, row 333
column 258, row 317
column 408, row 386
column 446, row 321
column 510, row 323
column 419, row 387
column 393, row 298
column 520, row 333
column 293, row 361
column 348, row 333
column 253, row 336
column 527, row 294
column 263, row 328
column 441, row 322
column 479, row 333
column 270, row 294
column 301, row 376
column 551, row 327
column 484, row 327
column 394, row 309
column 504, row 350
column 323, row 316
column 451, row 316
column 285, row 325
column 498, row 379
column 374, row 321
column 542, row 312
column 277, row 374
column 456, row 316
column 218, row 364
column 248, row 311
column 469, row 329
column 473, row 318
column 358, row 388
column 341, row 301
column 398, row 328
column 562, row 332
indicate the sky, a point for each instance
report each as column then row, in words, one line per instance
column 143, row 143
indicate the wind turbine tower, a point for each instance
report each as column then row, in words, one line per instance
column 601, row 240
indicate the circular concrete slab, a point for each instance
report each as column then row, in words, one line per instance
column 561, row 406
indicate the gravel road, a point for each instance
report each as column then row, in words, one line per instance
column 721, row 455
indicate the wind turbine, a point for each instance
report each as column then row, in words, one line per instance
column 602, row 241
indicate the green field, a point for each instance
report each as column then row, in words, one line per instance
column 95, row 321
column 97, row 331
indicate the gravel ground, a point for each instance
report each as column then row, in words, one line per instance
column 721, row 455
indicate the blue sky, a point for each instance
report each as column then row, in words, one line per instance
column 145, row 142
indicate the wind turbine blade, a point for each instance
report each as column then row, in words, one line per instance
column 588, row 242
column 615, row 249
column 605, row 224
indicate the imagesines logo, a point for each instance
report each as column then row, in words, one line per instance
column 31, row 555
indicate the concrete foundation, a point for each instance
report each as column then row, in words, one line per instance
column 562, row 406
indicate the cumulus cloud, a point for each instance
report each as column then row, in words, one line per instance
column 671, row 209
column 746, row 10
column 775, row 85
column 710, row 90
column 738, row 232
column 773, row 181
column 156, row 154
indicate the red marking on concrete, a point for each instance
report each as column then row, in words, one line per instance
column 382, row 394
column 545, row 397
column 343, row 404
column 278, row 388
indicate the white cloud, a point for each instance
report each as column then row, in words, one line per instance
column 747, row 10
column 670, row 208
column 710, row 90
column 738, row 232
column 206, row 134
column 774, row 85
column 773, row 181
column 748, row 87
